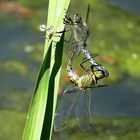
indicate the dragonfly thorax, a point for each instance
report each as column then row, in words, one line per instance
column 86, row 81
column 80, row 33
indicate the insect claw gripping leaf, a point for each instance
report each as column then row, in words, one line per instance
column 67, row 19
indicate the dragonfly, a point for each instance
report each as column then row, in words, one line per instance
column 80, row 31
column 77, row 97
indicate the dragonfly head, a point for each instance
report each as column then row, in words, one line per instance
column 99, row 74
column 77, row 18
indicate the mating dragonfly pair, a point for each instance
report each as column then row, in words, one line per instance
column 77, row 97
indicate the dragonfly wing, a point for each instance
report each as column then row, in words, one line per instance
column 64, row 106
column 83, row 110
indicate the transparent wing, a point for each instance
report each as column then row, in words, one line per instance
column 83, row 110
column 64, row 106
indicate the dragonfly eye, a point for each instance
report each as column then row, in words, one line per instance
column 77, row 18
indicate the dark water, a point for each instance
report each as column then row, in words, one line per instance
column 129, row 5
column 14, row 37
column 120, row 99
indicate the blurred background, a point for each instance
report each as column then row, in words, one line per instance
column 114, row 35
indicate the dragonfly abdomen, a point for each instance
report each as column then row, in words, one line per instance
column 73, row 77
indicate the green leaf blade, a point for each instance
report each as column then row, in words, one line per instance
column 40, row 116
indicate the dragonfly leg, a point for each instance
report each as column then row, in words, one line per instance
column 56, row 34
column 85, row 60
column 67, row 19
column 85, row 67
column 67, row 30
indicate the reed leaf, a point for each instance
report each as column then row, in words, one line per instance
column 39, row 122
